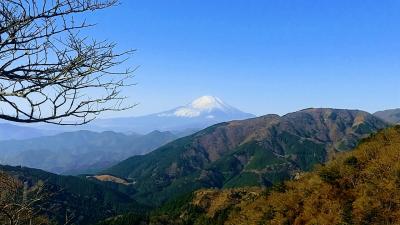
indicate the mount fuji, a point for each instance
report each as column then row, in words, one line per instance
column 206, row 107
column 200, row 113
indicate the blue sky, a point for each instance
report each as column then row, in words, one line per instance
column 262, row 56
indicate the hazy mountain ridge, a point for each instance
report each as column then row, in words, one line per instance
column 199, row 114
column 253, row 152
column 390, row 115
column 14, row 132
column 80, row 151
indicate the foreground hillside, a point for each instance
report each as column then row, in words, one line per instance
column 357, row 187
column 253, row 152
column 83, row 201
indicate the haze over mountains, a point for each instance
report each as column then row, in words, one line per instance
column 80, row 151
column 390, row 115
column 199, row 114
column 15, row 132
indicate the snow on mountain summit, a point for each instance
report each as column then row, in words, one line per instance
column 208, row 102
column 202, row 106
column 198, row 114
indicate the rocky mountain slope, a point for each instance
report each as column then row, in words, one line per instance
column 254, row 152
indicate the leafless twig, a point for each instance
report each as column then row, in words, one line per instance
column 49, row 72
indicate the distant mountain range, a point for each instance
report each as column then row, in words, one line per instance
column 253, row 152
column 80, row 151
column 199, row 114
column 391, row 115
column 75, row 151
column 15, row 132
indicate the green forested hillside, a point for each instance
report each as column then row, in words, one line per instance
column 254, row 152
column 83, row 200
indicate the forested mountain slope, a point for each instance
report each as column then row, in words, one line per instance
column 356, row 187
column 253, row 152
column 84, row 201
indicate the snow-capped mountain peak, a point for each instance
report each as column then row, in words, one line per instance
column 205, row 106
column 208, row 103
column 198, row 114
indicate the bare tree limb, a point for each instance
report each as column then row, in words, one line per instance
column 49, row 72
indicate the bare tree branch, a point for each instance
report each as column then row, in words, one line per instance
column 19, row 203
column 49, row 72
